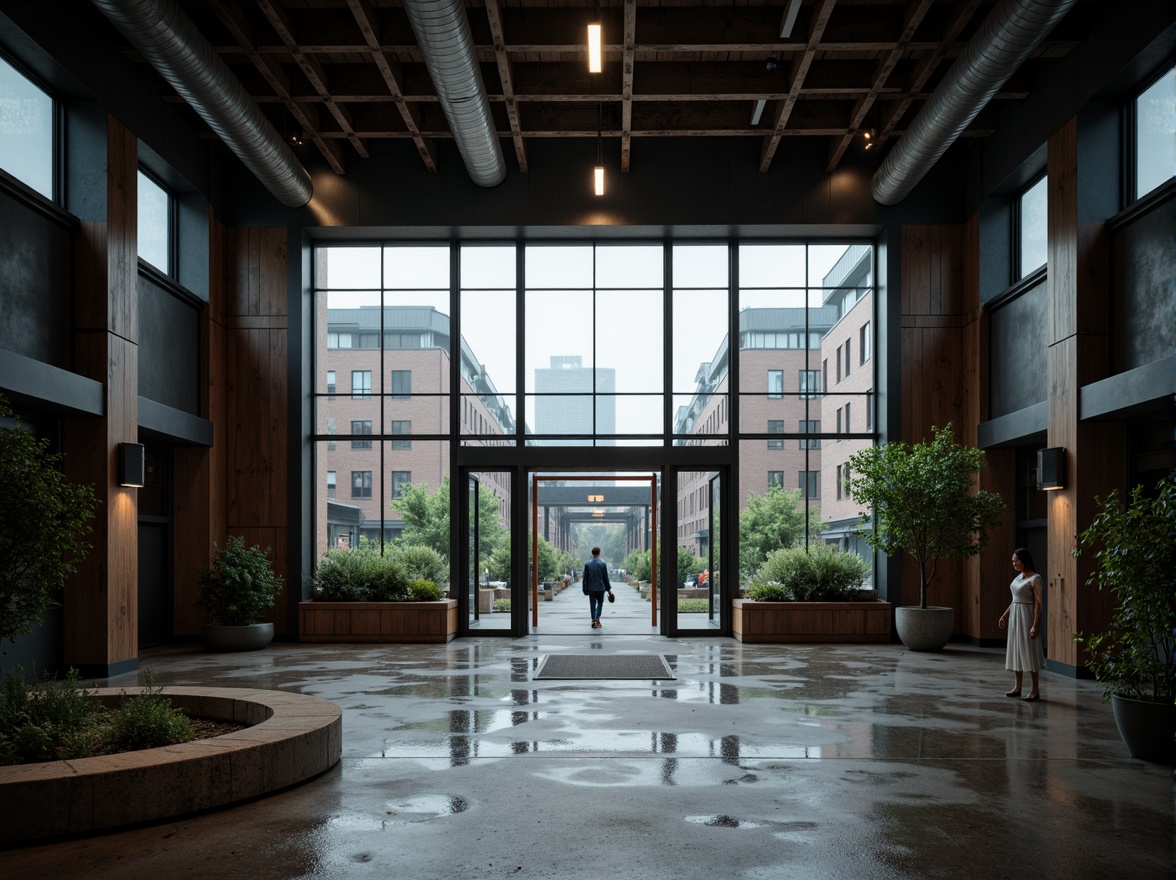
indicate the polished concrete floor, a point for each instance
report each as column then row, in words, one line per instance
column 755, row 762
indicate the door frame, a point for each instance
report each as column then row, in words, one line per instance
column 663, row 540
column 538, row 476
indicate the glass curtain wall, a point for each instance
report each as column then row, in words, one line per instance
column 594, row 353
column 565, row 345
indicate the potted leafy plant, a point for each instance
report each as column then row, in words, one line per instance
column 234, row 593
column 1134, row 658
column 923, row 504
column 43, row 521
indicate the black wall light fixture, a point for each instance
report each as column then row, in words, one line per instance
column 132, row 465
column 1051, row 468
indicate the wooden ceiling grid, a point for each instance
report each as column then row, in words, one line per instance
column 340, row 73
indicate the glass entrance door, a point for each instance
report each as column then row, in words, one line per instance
column 694, row 599
column 486, row 564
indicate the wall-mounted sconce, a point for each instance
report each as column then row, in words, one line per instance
column 132, row 465
column 1051, row 468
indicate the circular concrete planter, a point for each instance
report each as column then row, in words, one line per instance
column 291, row 738
column 923, row 629
column 251, row 637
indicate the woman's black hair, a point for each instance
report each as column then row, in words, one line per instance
column 1026, row 558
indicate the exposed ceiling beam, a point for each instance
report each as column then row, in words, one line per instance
column 306, row 117
column 960, row 17
column 365, row 17
column 800, row 67
column 628, row 62
column 494, row 14
column 313, row 70
column 912, row 18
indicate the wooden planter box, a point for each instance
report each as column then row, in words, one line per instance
column 377, row 621
column 772, row 622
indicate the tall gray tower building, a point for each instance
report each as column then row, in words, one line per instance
column 571, row 411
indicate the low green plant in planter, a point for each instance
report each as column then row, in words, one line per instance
column 1134, row 658
column 235, row 591
column 422, row 590
column 44, row 519
column 360, row 575
column 58, row 720
column 820, row 573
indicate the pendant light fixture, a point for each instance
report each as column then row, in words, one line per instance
column 598, row 171
column 595, row 44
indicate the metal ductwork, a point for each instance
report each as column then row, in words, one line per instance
column 167, row 38
column 1005, row 39
column 443, row 34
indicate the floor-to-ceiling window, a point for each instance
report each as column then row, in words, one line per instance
column 591, row 344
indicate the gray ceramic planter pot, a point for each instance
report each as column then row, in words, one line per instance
column 1147, row 728
column 250, row 637
column 923, row 629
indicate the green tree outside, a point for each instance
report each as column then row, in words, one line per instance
column 427, row 520
column 770, row 522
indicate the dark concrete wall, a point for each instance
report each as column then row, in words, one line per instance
column 1143, row 288
column 1017, row 353
column 36, row 283
column 705, row 186
column 169, row 357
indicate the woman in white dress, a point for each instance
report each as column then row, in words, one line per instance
column 1024, row 653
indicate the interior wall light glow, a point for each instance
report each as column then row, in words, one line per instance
column 598, row 171
column 595, row 51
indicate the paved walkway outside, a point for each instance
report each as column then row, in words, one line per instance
column 815, row 762
column 567, row 614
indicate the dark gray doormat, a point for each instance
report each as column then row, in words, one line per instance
column 604, row 666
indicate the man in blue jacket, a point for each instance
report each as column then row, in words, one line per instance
column 596, row 585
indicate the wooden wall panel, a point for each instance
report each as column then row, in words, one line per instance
column 199, row 473
column 122, row 211
column 253, row 348
column 1078, row 354
column 933, row 369
column 101, row 600
column 1062, row 231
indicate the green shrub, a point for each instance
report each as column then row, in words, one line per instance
column 502, row 604
column 50, row 721
column 692, row 606
column 239, row 586
column 422, row 590
column 388, row 583
column 147, row 720
column 421, row 563
column 360, row 575
column 57, row 720
column 822, row 573
column 767, row 593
